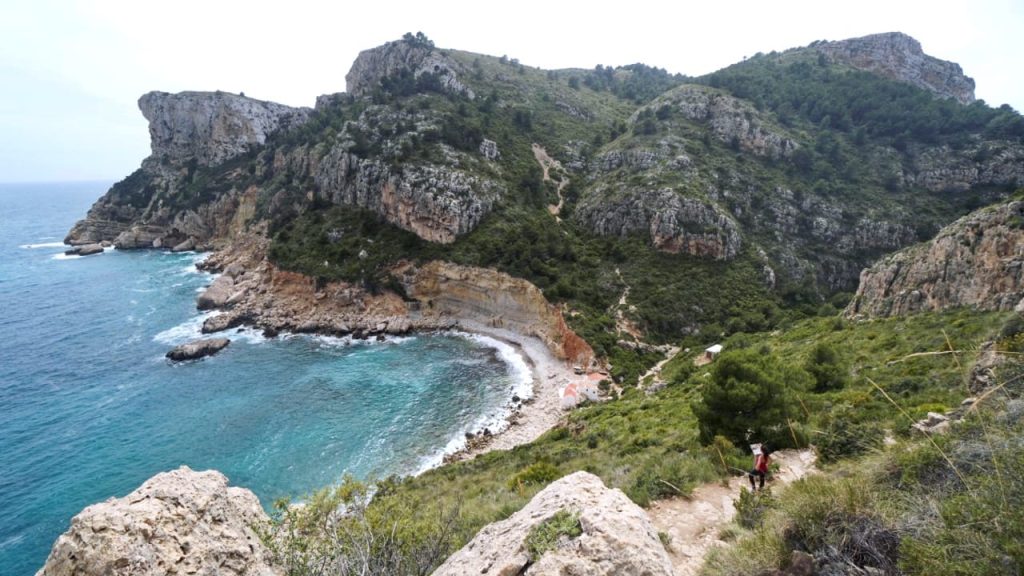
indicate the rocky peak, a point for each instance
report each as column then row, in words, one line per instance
column 977, row 261
column 899, row 57
column 211, row 127
column 411, row 54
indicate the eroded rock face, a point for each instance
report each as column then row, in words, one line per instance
column 977, row 261
column 178, row 522
column 394, row 58
column 437, row 203
column 672, row 222
column 899, row 57
column 617, row 538
column 495, row 299
column 211, row 127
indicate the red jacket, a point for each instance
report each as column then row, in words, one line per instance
column 761, row 463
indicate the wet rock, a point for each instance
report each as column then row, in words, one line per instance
column 217, row 294
column 198, row 349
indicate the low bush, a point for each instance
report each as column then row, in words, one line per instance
column 545, row 536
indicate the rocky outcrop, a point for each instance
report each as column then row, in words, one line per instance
column 406, row 56
column 437, row 203
column 731, row 120
column 977, row 261
column 178, row 522
column 899, row 57
column 493, row 299
column 218, row 293
column 198, row 349
column 997, row 164
column 211, row 127
column 672, row 222
column 617, row 537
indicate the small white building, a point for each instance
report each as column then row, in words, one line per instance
column 712, row 351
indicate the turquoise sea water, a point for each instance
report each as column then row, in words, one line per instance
column 89, row 407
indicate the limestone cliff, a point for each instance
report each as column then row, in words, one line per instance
column 211, row 127
column 899, row 57
column 178, row 522
column 617, row 537
column 978, row 261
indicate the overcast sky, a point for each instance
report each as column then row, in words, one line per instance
column 71, row 71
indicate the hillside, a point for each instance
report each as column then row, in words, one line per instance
column 723, row 203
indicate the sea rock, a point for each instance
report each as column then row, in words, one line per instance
column 178, row 522
column 211, row 127
column 673, row 223
column 198, row 349
column 189, row 244
column 617, row 538
column 140, row 236
column 222, row 322
column 977, row 261
column 85, row 250
column 217, row 294
column 899, row 57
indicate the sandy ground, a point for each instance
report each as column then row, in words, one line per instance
column 550, row 375
column 694, row 523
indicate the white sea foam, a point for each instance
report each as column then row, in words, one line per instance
column 188, row 330
column 344, row 341
column 63, row 256
column 496, row 419
column 44, row 245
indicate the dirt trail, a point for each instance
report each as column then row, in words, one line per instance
column 655, row 370
column 623, row 325
column 693, row 523
column 547, row 164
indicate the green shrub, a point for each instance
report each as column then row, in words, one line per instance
column 827, row 367
column 843, row 436
column 751, row 507
column 539, row 473
column 751, row 395
column 544, row 536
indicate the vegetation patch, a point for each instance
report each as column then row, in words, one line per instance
column 545, row 536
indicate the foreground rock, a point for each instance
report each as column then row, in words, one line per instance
column 617, row 538
column 178, row 522
column 977, row 261
column 198, row 349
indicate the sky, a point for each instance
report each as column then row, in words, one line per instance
column 71, row 71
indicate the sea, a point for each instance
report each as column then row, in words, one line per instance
column 90, row 408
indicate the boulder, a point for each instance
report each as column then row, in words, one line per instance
column 222, row 322
column 198, row 349
column 178, row 522
column 86, row 250
column 217, row 294
column 617, row 537
column 189, row 244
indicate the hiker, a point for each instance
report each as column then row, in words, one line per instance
column 762, row 457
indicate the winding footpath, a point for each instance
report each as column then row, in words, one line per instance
column 547, row 163
column 694, row 523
